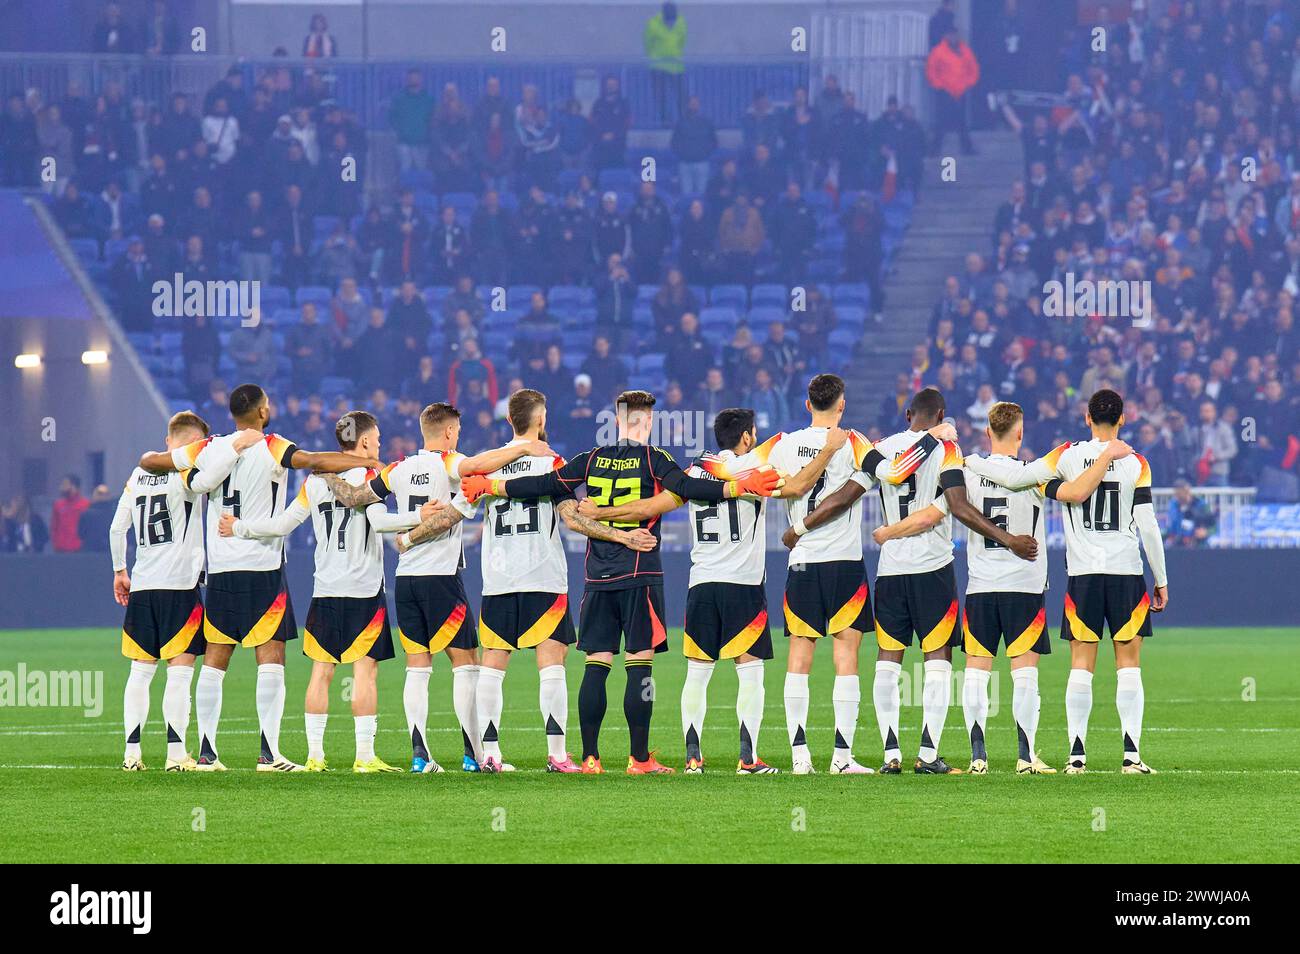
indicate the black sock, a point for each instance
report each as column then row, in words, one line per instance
column 638, row 704
column 591, row 706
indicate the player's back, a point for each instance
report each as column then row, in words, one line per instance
column 165, row 516
column 618, row 474
column 349, row 554
column 991, row 567
column 932, row 549
column 729, row 538
column 522, row 549
column 414, row 481
column 838, row 539
column 255, row 489
column 1100, row 534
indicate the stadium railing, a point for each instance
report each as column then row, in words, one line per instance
column 725, row 86
column 1240, row 522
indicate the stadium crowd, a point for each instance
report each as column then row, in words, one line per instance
column 1170, row 157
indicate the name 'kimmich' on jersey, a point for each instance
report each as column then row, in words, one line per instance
column 991, row 567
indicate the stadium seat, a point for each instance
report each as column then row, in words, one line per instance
column 734, row 295
column 769, row 294
column 318, row 294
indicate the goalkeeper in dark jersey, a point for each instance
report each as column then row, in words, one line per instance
column 624, row 598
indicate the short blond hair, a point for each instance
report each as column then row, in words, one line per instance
column 187, row 421
column 1003, row 416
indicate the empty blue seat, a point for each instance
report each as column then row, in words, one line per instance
column 769, row 294
column 729, row 295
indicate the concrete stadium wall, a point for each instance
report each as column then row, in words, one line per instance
column 1236, row 588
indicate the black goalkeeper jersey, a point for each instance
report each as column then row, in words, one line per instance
column 614, row 475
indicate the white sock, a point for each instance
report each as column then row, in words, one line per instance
column 695, row 703
column 316, row 734
column 749, row 707
column 1130, row 700
column 975, row 707
column 207, row 707
column 885, row 694
column 935, row 699
column 553, row 697
column 415, row 700
column 176, row 709
column 488, row 702
column 1078, row 706
column 796, row 713
column 365, row 727
column 270, row 707
column 135, row 704
column 1024, row 709
column 464, row 682
column 845, row 700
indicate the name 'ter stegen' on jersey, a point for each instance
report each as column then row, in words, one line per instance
column 926, row 478
column 729, row 538
column 255, row 489
column 522, row 548
column 349, row 553
column 991, row 567
column 414, row 481
column 162, row 510
column 838, row 539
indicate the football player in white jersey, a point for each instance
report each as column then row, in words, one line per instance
column 826, row 591
column 164, row 611
column 526, row 585
column 916, row 590
column 347, row 621
column 1004, row 594
column 248, row 597
column 433, row 612
column 1106, row 586
column 726, row 603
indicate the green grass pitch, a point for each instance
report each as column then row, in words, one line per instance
column 1226, row 792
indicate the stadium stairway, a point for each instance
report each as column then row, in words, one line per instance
column 949, row 221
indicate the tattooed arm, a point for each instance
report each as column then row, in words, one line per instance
column 350, row 495
column 443, row 519
column 639, row 539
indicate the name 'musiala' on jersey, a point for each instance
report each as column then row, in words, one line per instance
column 991, row 567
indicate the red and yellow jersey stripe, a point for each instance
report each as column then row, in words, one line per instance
column 194, row 448
column 1053, row 457
column 451, row 460
column 386, row 474
column 558, row 462
column 716, row 467
column 1144, row 473
column 301, row 499
column 952, row 456
column 764, row 450
column 281, row 449
column 860, row 446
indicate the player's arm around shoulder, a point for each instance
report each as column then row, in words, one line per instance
column 914, row 524
column 593, row 528
column 800, row 482
column 1081, row 488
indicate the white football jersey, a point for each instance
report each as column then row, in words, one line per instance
column 522, row 549
column 991, row 567
column 166, row 517
column 349, row 553
column 921, row 487
column 1100, row 535
column 838, row 539
column 255, row 489
column 413, row 482
column 729, row 538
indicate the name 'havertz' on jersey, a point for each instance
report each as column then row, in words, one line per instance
column 623, row 603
